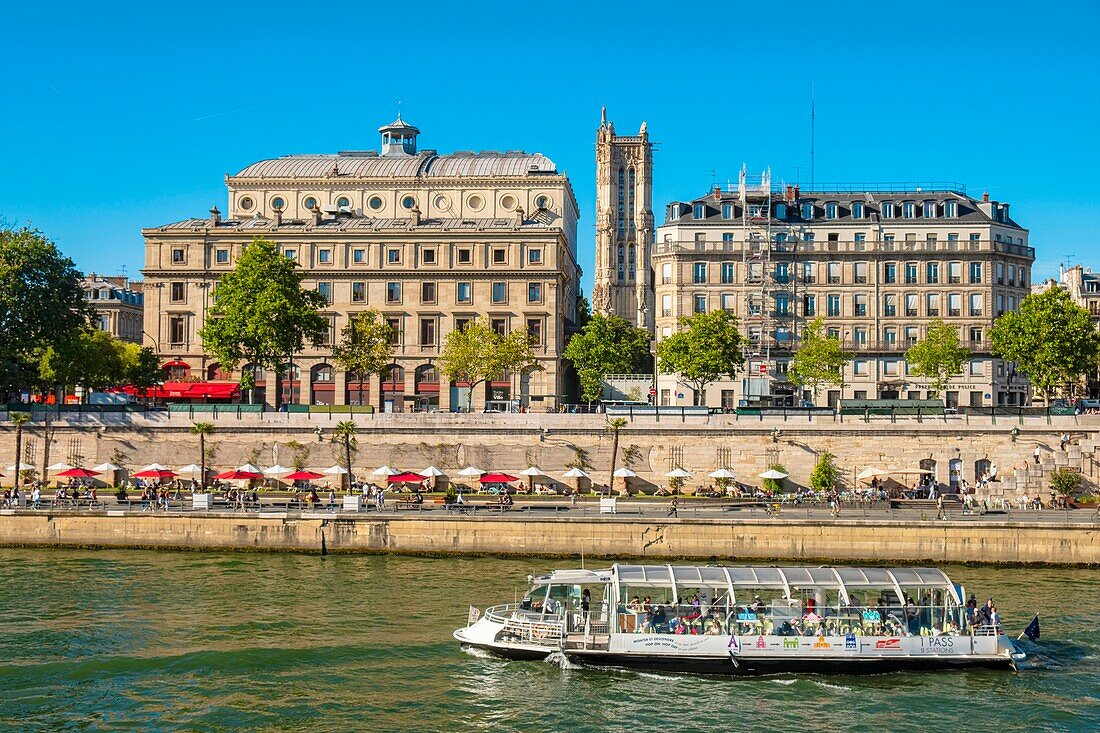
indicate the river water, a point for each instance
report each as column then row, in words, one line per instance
column 113, row 640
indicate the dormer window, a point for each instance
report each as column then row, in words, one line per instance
column 727, row 211
column 700, row 211
column 887, row 210
column 857, row 209
column 929, row 209
column 951, row 208
column 831, row 210
column 780, row 211
column 909, row 210
column 807, row 211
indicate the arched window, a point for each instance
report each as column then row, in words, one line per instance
column 322, row 385
column 215, row 373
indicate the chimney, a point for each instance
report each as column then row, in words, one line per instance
column 796, row 193
column 414, row 215
column 788, row 194
column 717, row 193
column 985, row 197
column 519, row 216
column 316, row 212
column 277, row 214
column 215, row 216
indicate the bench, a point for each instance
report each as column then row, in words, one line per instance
column 409, row 505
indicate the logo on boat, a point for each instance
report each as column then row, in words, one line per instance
column 850, row 643
column 888, row 644
column 821, row 643
column 734, row 645
column 790, row 643
column 760, row 643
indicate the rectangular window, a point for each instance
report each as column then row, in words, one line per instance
column 727, row 273
column 859, row 367
column 808, row 273
column 809, row 306
column 950, row 208
column 861, row 272
column 729, row 302
column 727, row 238
column 890, row 368
column 393, row 292
column 358, row 292
column 534, row 327
column 500, row 293
column 782, row 304
column 933, row 304
column 393, row 256
column 666, row 273
column 666, row 306
column 834, row 273
column 807, row 211
column 1000, row 273
column 500, row 256
column 428, row 256
column 976, row 336
column 832, row 305
column 291, row 254
column 727, row 211
column 325, row 289
column 911, row 305
column 178, row 257
column 461, row 323
column 463, row 293
column 975, row 272
column 954, row 272
column 890, row 272
column 499, row 325
column 427, row 292
column 857, row 211
column 700, row 303
column 395, row 329
column 1000, row 305
column 324, row 256
column 534, row 292
column 954, row 304
column 975, row 304
column 782, row 273
column 910, row 335
column 175, row 330
column 427, row 332
column 860, row 304
column 910, row 273
column 358, row 256
column 889, row 306
column 929, row 209
column 831, row 210
column 890, row 336
column 465, row 256
column 699, row 211
column 221, row 256
column 534, row 256
column 977, row 368
column 178, row 293
column 699, row 272
column 932, row 271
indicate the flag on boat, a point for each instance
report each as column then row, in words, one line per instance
column 1032, row 630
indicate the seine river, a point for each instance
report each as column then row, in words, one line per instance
column 148, row 641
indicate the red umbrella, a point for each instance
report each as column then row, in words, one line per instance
column 407, row 478
column 235, row 475
column 154, row 473
column 497, row 478
column 303, row 476
column 78, row 473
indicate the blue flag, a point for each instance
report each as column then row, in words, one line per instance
column 1032, row 630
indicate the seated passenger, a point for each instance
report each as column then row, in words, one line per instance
column 635, row 605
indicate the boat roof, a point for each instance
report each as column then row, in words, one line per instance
column 783, row 577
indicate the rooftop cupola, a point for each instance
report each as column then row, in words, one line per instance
column 398, row 138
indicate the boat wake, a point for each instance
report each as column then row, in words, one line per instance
column 560, row 660
column 474, row 651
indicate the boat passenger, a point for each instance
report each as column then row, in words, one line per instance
column 758, row 605
column 635, row 605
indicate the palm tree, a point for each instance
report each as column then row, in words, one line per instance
column 202, row 429
column 345, row 429
column 613, row 426
column 19, row 419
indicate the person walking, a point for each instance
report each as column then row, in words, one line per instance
column 1036, row 454
column 1065, row 441
column 331, row 501
column 36, row 498
column 672, row 508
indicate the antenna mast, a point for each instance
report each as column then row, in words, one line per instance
column 812, row 115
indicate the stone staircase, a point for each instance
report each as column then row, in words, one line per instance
column 1034, row 478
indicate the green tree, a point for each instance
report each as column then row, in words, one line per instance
column 1051, row 339
column 607, row 345
column 938, row 356
column 1065, row 482
column 825, row 474
column 41, row 303
column 775, row 485
column 140, row 365
column 345, row 432
column 262, row 314
column 614, row 426
column 19, row 419
column 88, row 358
column 477, row 354
column 707, row 347
column 202, row 429
column 820, row 359
column 366, row 346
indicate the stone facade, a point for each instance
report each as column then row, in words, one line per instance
column 429, row 240
column 119, row 305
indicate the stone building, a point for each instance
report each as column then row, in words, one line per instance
column 878, row 263
column 118, row 303
column 623, row 283
column 429, row 240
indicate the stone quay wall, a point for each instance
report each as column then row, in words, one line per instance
column 557, row 442
column 857, row 541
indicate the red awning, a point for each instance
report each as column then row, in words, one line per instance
column 175, row 363
column 185, row 390
column 497, row 478
column 406, row 478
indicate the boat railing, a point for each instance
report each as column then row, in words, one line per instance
column 989, row 630
column 526, row 626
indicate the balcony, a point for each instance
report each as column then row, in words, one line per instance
column 804, row 247
column 834, row 280
column 933, row 312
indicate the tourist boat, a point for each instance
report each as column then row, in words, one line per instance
column 744, row 620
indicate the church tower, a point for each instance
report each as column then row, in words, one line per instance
column 624, row 225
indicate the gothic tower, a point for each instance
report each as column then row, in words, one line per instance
column 624, row 225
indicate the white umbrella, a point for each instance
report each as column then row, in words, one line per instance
column 431, row 472
column 870, row 472
column 575, row 473
column 154, row 467
column 249, row 468
column 59, row 467
column 105, row 467
column 722, row 473
column 190, row 468
column 532, row 471
column 383, row 471
column 678, row 473
column 624, row 473
column 22, row 467
column 470, row 472
column 335, row 470
column 277, row 470
column 773, row 474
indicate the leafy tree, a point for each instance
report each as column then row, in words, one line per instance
column 261, row 313
column 1065, row 482
column 614, row 426
column 345, row 431
column 820, row 359
column 477, row 354
column 775, row 485
column 202, row 429
column 825, row 474
column 140, row 366
column 89, row 358
column 366, row 345
column 41, row 303
column 19, row 419
column 707, row 347
column 1051, row 339
column 938, row 356
column 606, row 345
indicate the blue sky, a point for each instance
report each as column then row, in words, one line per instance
column 117, row 118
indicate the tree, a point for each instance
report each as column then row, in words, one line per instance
column 140, row 365
column 938, row 356
column 345, row 431
column 366, row 346
column 19, row 419
column 606, row 345
column 202, row 429
column 614, row 426
column 775, row 485
column 820, row 359
column 261, row 313
column 41, row 303
column 708, row 346
column 1051, row 339
column 1065, row 482
column 478, row 353
column 825, row 473
column 87, row 357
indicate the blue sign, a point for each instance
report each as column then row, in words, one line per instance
column 850, row 643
